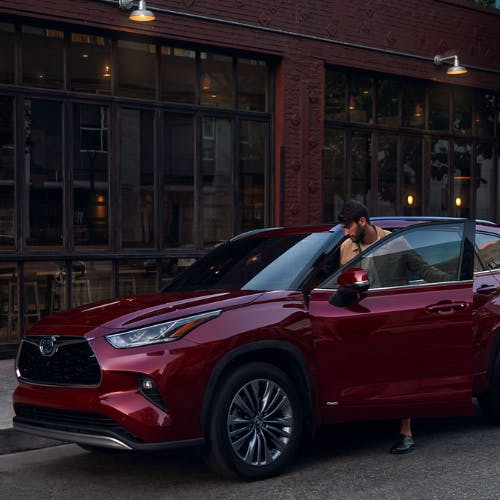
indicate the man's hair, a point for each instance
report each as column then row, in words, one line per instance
column 352, row 211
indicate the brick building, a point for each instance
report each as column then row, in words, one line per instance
column 128, row 149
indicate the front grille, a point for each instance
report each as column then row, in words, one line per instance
column 71, row 363
column 71, row 421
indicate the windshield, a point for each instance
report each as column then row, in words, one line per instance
column 259, row 263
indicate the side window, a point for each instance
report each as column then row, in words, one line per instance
column 488, row 251
column 421, row 254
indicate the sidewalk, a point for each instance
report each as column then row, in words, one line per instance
column 12, row 441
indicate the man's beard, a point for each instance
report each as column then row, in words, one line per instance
column 359, row 235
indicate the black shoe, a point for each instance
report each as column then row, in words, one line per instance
column 404, row 444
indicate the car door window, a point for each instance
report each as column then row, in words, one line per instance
column 487, row 252
column 417, row 255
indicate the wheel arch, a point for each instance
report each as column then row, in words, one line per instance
column 278, row 353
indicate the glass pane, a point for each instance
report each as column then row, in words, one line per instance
column 440, row 185
column 137, row 178
column 44, row 289
column 137, row 277
column 92, row 281
column 9, row 312
column 252, row 84
column 413, row 106
column 361, row 99
column 388, row 95
column 169, row 268
column 253, row 155
column 333, row 174
column 335, row 95
column 43, row 156
column 462, row 180
column 217, row 180
column 487, row 112
column 361, row 159
column 439, row 108
column 488, row 247
column 90, row 221
column 42, row 57
column 216, row 82
column 7, row 46
column 484, row 183
column 387, row 161
column 420, row 255
column 411, row 183
column 90, row 63
column 7, row 182
column 462, row 111
column 178, row 74
column 178, row 188
column 136, row 69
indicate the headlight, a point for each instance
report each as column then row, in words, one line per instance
column 163, row 332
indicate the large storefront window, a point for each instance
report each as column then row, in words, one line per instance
column 90, row 176
column 43, row 157
column 7, row 174
column 217, row 180
column 137, row 178
column 438, row 162
column 7, row 47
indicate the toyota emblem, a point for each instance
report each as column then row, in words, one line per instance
column 47, row 345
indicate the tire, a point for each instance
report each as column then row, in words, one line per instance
column 490, row 402
column 256, row 423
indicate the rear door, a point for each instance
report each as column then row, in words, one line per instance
column 404, row 347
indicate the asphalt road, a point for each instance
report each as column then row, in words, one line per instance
column 454, row 459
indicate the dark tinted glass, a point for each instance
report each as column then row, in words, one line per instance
column 411, row 164
column 439, row 108
column 333, row 173
column 361, row 161
column 335, row 95
column 259, row 263
column 216, row 81
column 7, row 45
column 388, row 96
column 252, row 84
column 136, row 69
column 439, row 188
column 487, row 113
column 484, row 182
column 413, row 105
column 7, row 175
column 462, row 179
column 178, row 74
column 462, row 111
column 387, row 160
column 361, row 99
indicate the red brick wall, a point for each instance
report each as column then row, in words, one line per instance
column 422, row 28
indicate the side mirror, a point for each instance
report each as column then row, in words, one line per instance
column 351, row 282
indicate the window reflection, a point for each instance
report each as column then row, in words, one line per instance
column 462, row 179
column 137, row 178
column 361, row 99
column 439, row 187
column 253, row 153
column 178, row 187
column 333, row 173
column 90, row 218
column 136, row 69
column 387, row 160
column 137, row 277
column 484, row 182
column 411, row 154
column 216, row 80
column 252, row 83
column 90, row 63
column 43, row 155
column 217, row 180
column 388, row 97
column 462, row 111
column 178, row 74
column 335, row 95
column 439, row 108
column 413, row 105
column 42, row 57
column 487, row 113
column 7, row 47
column 361, row 158
column 7, row 177
column 9, row 310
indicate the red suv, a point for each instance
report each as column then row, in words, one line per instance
column 267, row 337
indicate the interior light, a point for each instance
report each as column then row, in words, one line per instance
column 458, row 201
column 410, row 200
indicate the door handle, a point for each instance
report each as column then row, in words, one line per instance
column 447, row 307
column 486, row 289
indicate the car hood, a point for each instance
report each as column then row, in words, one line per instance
column 135, row 312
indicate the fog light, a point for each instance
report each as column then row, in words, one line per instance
column 150, row 391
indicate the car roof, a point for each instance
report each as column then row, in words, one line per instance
column 385, row 222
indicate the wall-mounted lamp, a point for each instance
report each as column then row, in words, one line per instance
column 140, row 14
column 455, row 68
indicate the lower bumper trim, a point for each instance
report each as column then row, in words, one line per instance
column 105, row 441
